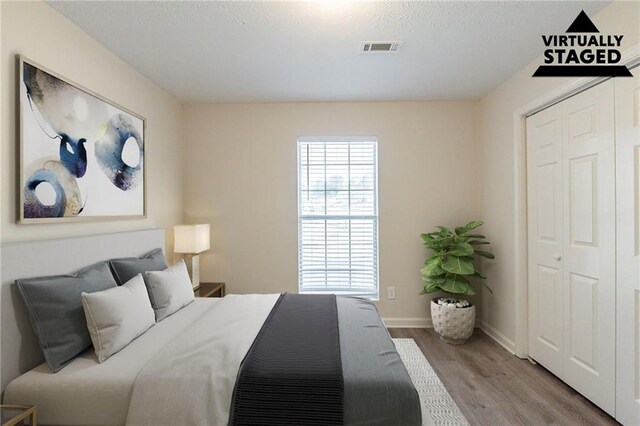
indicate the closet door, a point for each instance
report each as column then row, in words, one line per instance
column 572, row 237
column 627, row 98
column 544, row 198
column 589, row 229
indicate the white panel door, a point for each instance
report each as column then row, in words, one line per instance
column 572, row 237
column 544, row 193
column 589, row 229
column 627, row 99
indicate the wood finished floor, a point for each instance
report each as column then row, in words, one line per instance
column 493, row 387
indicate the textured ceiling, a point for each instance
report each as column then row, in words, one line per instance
column 308, row 51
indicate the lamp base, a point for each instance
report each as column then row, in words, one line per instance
column 193, row 267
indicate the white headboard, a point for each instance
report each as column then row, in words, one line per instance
column 19, row 350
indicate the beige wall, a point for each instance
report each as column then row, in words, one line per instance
column 37, row 31
column 240, row 165
column 241, row 178
column 497, row 162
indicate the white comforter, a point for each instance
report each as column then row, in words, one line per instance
column 191, row 380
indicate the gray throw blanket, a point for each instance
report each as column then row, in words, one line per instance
column 292, row 375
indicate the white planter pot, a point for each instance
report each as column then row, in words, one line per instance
column 453, row 325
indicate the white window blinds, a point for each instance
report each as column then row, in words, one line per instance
column 338, row 216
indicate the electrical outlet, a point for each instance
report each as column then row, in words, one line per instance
column 391, row 292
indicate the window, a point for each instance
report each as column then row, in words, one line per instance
column 338, row 216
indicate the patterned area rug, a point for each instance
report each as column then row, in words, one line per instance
column 434, row 397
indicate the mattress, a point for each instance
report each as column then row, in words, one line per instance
column 88, row 393
column 378, row 390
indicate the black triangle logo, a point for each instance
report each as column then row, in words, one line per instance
column 582, row 24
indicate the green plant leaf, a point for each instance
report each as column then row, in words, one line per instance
column 439, row 279
column 476, row 236
column 436, row 279
column 429, row 288
column 473, row 225
column 464, row 230
column 478, row 275
column 457, row 284
column 460, row 230
column 443, row 230
column 485, row 254
column 476, row 242
column 461, row 249
column 430, row 241
column 432, row 267
column 458, row 265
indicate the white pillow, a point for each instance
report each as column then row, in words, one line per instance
column 116, row 316
column 169, row 290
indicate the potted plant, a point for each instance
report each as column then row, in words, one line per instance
column 451, row 269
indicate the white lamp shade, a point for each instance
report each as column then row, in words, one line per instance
column 191, row 239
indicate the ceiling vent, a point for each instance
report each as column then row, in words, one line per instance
column 380, row 46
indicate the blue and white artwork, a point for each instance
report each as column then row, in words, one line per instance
column 81, row 156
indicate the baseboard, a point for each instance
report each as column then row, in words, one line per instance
column 407, row 322
column 500, row 338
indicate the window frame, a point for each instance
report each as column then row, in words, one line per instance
column 376, row 216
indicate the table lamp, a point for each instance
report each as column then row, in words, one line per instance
column 191, row 240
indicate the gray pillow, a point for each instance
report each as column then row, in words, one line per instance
column 169, row 290
column 55, row 309
column 128, row 267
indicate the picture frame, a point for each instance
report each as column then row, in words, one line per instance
column 81, row 157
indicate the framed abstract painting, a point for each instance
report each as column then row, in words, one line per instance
column 82, row 157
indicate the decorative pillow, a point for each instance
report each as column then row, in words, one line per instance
column 55, row 309
column 169, row 290
column 116, row 316
column 128, row 267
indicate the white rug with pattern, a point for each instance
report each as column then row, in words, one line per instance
column 434, row 398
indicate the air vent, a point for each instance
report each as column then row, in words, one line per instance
column 380, row 46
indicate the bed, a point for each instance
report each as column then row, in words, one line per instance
column 186, row 368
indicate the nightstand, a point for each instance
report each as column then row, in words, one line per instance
column 11, row 415
column 210, row 290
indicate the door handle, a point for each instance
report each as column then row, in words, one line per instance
column 558, row 257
